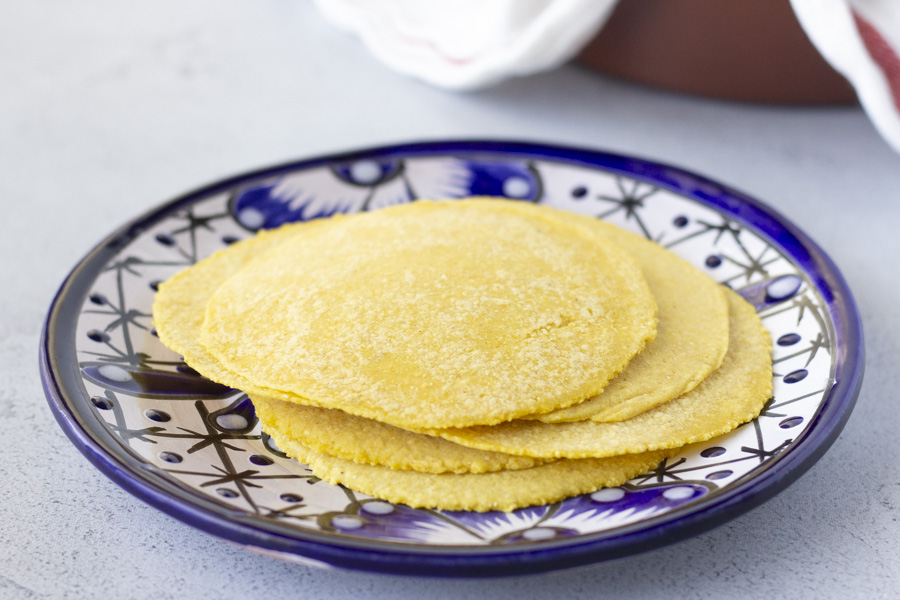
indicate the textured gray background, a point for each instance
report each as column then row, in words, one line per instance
column 108, row 108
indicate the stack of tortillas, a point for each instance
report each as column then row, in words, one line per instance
column 473, row 354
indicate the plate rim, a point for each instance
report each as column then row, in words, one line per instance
column 480, row 561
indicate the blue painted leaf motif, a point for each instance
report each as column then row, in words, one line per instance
column 647, row 498
column 313, row 194
column 515, row 180
column 368, row 173
column 270, row 205
column 535, row 534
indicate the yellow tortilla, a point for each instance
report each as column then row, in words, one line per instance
column 731, row 395
column 345, row 436
column 503, row 490
column 692, row 334
column 179, row 306
column 425, row 315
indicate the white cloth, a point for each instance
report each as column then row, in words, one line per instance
column 466, row 44
column 861, row 39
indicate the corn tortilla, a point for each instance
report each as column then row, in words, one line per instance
column 442, row 314
column 178, row 314
column 502, row 490
column 361, row 440
column 733, row 394
column 179, row 306
column 692, row 334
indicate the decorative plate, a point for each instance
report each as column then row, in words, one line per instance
column 193, row 448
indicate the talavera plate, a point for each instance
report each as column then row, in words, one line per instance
column 193, row 448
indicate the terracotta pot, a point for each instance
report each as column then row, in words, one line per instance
column 749, row 50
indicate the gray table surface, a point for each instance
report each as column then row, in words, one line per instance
column 108, row 108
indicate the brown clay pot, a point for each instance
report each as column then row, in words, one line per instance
column 748, row 50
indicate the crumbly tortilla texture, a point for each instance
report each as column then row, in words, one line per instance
column 502, row 490
column 692, row 334
column 345, row 436
column 179, row 306
column 733, row 394
column 434, row 314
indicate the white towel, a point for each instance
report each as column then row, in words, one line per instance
column 860, row 39
column 466, row 44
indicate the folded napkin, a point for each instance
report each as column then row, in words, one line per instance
column 466, row 44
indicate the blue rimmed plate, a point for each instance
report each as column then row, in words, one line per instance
column 193, row 448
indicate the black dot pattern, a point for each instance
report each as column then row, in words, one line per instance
column 795, row 376
column 157, row 415
column 170, row 457
column 790, row 422
column 788, row 339
column 579, row 192
column 713, row 452
column 98, row 336
column 102, row 402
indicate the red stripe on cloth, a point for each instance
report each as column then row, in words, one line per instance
column 882, row 53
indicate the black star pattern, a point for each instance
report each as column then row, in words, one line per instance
column 126, row 317
column 762, row 454
column 751, row 265
column 632, row 196
column 193, row 224
column 805, row 305
column 664, row 471
column 727, row 225
column 288, row 512
column 224, row 473
column 212, row 436
column 760, row 450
